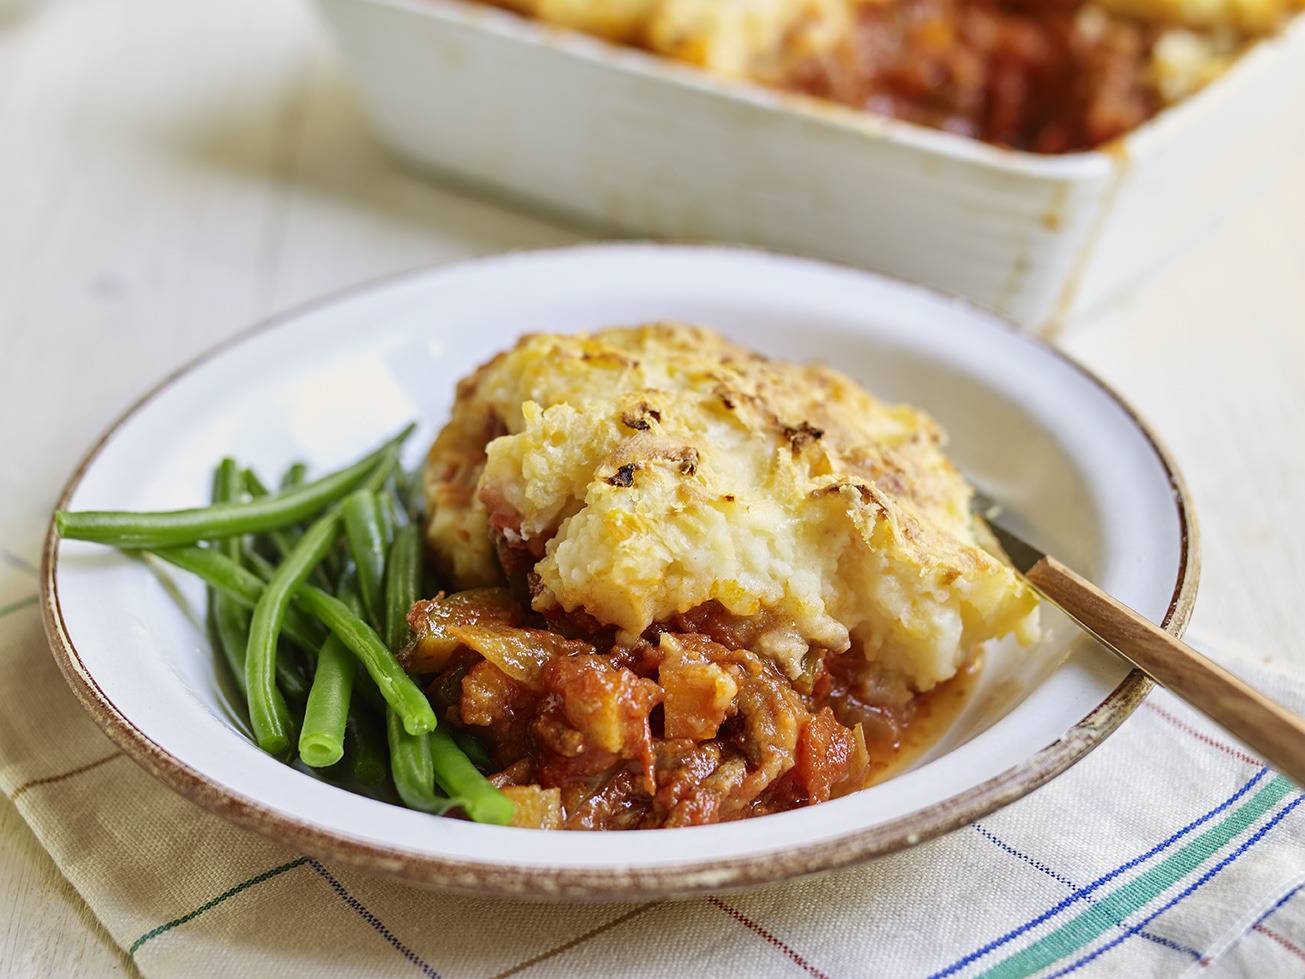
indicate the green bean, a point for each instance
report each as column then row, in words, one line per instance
column 268, row 714
column 408, row 765
column 230, row 635
column 162, row 529
column 217, row 483
column 367, row 544
column 261, row 565
column 320, row 575
column 303, row 631
column 394, row 684
column 238, row 583
column 321, row 739
column 474, row 750
column 282, row 539
column 210, row 616
column 296, row 475
column 215, row 641
column 385, row 468
column 411, row 766
column 290, row 677
column 408, row 486
column 231, row 629
column 346, row 589
column 254, row 486
column 452, row 769
column 230, row 624
column 365, row 749
column 410, row 756
column 458, row 777
column 364, row 686
column 402, row 579
column 332, row 566
column 298, row 628
column 229, row 487
column 387, row 515
column 400, row 592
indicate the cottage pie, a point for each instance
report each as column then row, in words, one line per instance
column 687, row 584
column 1044, row 75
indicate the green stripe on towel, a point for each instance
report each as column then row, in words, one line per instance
column 208, row 905
column 22, row 603
column 1119, row 904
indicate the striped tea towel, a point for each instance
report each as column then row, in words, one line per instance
column 1169, row 851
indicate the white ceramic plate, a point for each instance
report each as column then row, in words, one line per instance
column 324, row 382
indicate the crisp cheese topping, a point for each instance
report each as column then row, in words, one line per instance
column 635, row 474
column 1050, row 77
column 752, row 38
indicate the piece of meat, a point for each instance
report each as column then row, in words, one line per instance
column 642, row 659
column 772, row 716
column 592, row 731
column 520, row 772
column 698, row 694
column 608, row 706
column 824, row 755
column 859, row 768
column 705, row 802
column 503, row 708
column 713, row 621
column 619, row 803
column 859, row 695
column 682, row 765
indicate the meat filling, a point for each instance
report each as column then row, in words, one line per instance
column 681, row 728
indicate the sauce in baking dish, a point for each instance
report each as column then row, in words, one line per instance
column 1049, row 76
column 1021, row 74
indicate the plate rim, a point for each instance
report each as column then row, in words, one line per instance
column 610, row 883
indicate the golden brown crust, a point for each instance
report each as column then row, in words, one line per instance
column 1051, row 77
column 646, row 472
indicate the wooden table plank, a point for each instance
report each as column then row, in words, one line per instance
column 46, row 929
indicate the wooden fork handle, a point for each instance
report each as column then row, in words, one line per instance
column 1268, row 728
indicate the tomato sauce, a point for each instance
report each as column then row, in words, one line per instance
column 1019, row 73
column 686, row 726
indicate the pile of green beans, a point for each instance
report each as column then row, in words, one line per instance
column 309, row 590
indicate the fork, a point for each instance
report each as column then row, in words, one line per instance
column 1269, row 729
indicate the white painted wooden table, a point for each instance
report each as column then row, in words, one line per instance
column 173, row 172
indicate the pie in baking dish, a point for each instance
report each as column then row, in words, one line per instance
column 1043, row 75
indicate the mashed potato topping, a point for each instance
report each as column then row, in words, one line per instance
column 634, row 475
column 752, row 38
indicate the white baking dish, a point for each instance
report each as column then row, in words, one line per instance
column 639, row 144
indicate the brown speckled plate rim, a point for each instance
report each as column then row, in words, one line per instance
column 616, row 882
